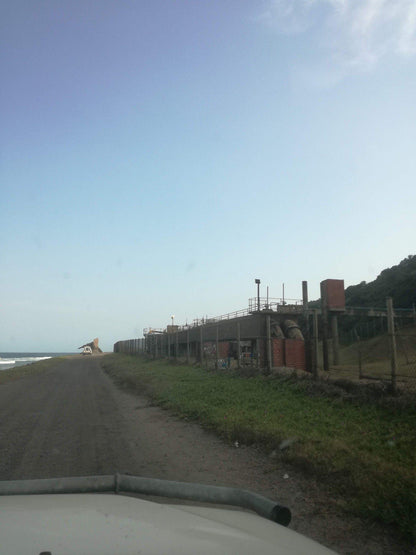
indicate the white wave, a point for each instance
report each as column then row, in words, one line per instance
column 31, row 359
column 7, row 361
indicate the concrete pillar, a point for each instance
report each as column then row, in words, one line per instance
column 187, row 346
column 325, row 339
column 325, row 325
column 268, row 344
column 335, row 338
column 305, row 297
column 315, row 343
column 201, row 345
column 307, row 334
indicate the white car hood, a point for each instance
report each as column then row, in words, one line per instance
column 115, row 524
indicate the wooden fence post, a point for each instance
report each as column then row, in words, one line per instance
column 335, row 339
column 360, row 358
column 392, row 337
column 201, row 345
column 216, row 347
column 238, row 346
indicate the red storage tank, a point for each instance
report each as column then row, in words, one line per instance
column 333, row 294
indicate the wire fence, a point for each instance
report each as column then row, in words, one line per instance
column 406, row 358
column 370, row 344
column 228, row 356
column 366, row 352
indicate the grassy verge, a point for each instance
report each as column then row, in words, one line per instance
column 28, row 370
column 365, row 451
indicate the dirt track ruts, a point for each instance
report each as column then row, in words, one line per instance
column 73, row 421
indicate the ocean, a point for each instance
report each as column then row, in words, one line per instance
column 11, row 360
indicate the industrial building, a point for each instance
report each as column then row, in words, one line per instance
column 269, row 333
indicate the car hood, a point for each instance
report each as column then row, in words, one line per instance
column 74, row 524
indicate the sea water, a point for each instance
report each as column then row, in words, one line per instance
column 12, row 360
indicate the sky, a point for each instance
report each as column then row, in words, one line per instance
column 159, row 156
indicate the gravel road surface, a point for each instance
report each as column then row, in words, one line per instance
column 73, row 421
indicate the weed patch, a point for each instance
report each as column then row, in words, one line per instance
column 364, row 449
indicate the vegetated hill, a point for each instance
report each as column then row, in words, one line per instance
column 398, row 282
column 377, row 348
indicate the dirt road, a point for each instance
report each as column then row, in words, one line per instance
column 71, row 421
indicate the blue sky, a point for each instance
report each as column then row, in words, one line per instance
column 156, row 157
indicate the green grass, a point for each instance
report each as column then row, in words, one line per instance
column 365, row 451
column 28, row 370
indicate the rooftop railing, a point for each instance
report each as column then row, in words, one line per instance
column 276, row 305
column 257, row 304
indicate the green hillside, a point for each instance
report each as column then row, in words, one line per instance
column 398, row 282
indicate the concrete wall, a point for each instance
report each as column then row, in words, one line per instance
column 130, row 346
